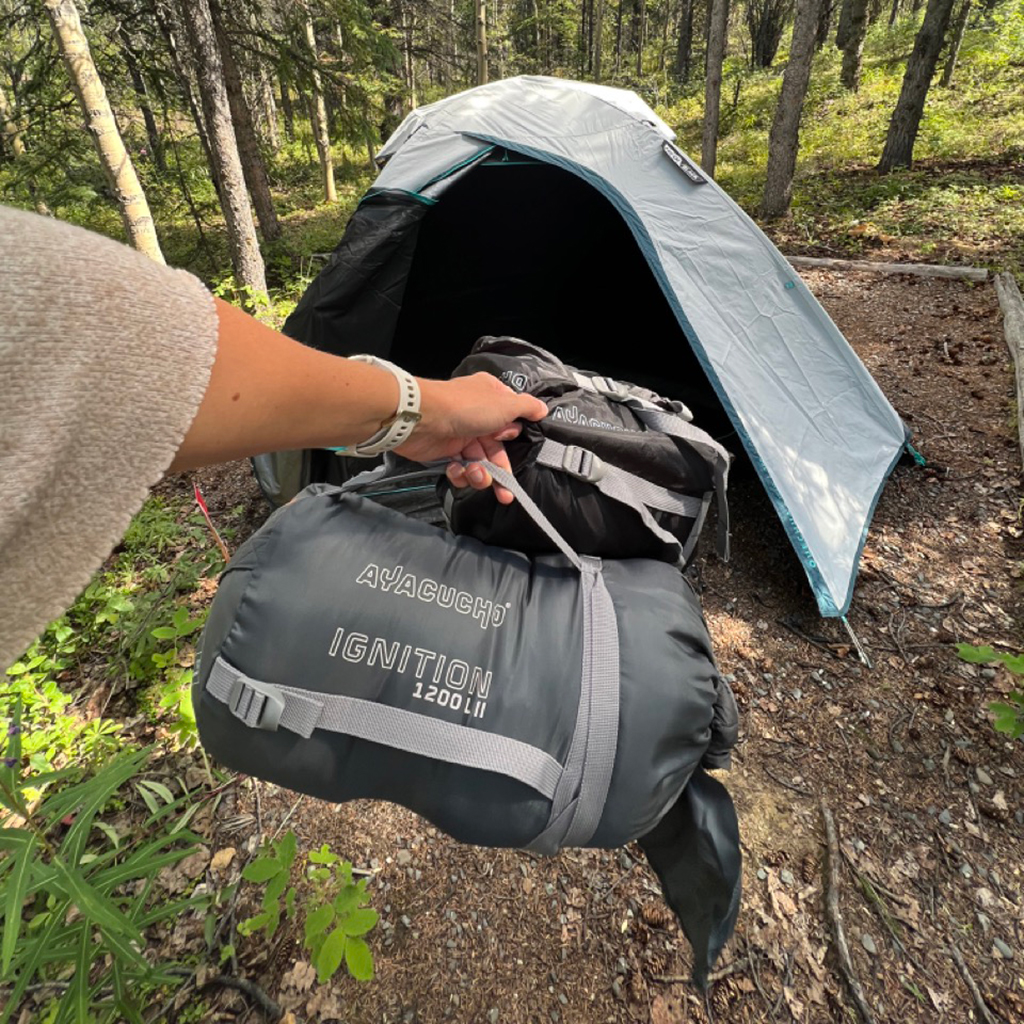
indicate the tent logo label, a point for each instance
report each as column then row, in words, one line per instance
column 676, row 156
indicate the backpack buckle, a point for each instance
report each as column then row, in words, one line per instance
column 257, row 705
column 610, row 388
column 582, row 464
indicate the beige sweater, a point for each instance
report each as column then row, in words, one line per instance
column 104, row 358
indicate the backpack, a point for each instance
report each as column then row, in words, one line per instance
column 618, row 470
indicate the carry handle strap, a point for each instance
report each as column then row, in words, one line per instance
column 509, row 482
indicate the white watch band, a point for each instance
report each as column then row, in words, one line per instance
column 397, row 429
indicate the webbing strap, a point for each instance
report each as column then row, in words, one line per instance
column 301, row 711
column 578, row 803
column 627, row 489
column 676, row 426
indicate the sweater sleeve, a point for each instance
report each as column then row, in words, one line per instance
column 104, row 359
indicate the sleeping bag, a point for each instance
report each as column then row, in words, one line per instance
column 544, row 702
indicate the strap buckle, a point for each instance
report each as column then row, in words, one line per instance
column 582, row 464
column 610, row 388
column 258, row 705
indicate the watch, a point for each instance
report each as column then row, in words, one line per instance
column 395, row 430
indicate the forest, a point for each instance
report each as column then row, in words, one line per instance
column 142, row 882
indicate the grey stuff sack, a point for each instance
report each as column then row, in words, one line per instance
column 555, row 701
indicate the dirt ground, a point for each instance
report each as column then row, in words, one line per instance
column 925, row 796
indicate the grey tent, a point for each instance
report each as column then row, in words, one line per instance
column 563, row 213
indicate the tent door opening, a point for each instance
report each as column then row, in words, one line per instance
column 523, row 248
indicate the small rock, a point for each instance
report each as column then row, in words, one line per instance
column 983, row 776
column 988, row 673
column 622, row 967
column 492, row 1015
column 1003, row 949
column 929, row 764
column 404, row 858
column 966, row 870
column 897, row 747
column 983, row 922
column 617, row 989
column 787, row 876
column 868, row 943
column 761, row 874
column 945, row 817
column 625, row 861
column 405, row 920
column 797, row 694
column 562, row 999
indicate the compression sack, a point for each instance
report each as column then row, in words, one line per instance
column 618, row 470
column 547, row 702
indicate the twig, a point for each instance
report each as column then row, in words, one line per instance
column 730, row 968
column 836, row 919
column 287, row 817
column 249, row 988
column 201, row 502
column 787, row 785
column 979, row 1000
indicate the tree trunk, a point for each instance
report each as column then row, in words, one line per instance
column 318, row 117
column 959, row 28
column 234, row 199
column 618, row 39
column 268, row 115
column 641, row 33
column 142, row 94
column 253, row 167
column 894, row 13
column 843, row 28
column 598, row 34
column 718, row 23
column 684, row 51
column 906, row 118
column 408, row 23
column 182, row 62
column 287, row 110
column 15, row 144
column 826, row 12
column 784, row 140
column 854, row 48
column 100, row 123
column 481, row 42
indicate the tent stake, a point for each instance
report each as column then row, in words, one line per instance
column 860, row 648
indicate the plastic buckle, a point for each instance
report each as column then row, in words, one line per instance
column 610, row 388
column 582, row 464
column 268, row 716
column 681, row 410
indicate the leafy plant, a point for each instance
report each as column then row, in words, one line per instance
column 77, row 896
column 1010, row 713
column 335, row 918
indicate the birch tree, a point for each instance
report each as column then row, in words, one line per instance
column 784, row 140
column 245, row 250
column 99, row 121
column 318, row 114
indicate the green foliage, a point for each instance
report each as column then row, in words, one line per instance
column 76, row 896
column 334, row 915
column 1009, row 714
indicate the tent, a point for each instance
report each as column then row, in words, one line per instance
column 562, row 212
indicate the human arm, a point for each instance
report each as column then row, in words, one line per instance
column 270, row 393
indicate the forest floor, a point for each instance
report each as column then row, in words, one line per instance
column 924, row 793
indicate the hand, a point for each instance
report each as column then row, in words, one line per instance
column 469, row 418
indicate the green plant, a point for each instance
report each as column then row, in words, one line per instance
column 1010, row 713
column 77, row 896
column 335, row 918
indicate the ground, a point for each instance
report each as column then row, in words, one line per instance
column 924, row 793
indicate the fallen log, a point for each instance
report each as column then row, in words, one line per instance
column 1012, row 305
column 918, row 269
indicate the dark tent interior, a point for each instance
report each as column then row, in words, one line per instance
column 527, row 249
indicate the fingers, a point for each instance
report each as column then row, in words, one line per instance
column 474, row 475
column 530, row 408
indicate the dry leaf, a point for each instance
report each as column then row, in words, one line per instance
column 668, row 1010
column 301, row 976
column 222, row 858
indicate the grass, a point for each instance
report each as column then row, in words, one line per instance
column 962, row 201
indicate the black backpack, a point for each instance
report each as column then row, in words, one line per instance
column 618, row 470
